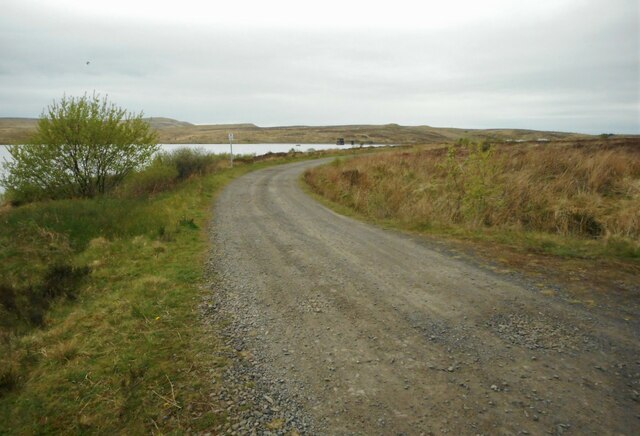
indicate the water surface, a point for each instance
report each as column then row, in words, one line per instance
column 238, row 149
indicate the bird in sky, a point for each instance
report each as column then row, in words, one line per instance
column 88, row 62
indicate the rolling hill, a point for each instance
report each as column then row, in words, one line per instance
column 16, row 130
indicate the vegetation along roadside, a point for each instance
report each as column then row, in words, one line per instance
column 100, row 285
column 99, row 319
column 117, row 345
column 569, row 211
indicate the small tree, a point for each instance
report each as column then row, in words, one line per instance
column 82, row 147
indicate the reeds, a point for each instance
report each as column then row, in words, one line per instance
column 570, row 189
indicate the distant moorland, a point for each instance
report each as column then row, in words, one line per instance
column 16, row 130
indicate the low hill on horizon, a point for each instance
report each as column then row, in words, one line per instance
column 165, row 123
column 16, row 130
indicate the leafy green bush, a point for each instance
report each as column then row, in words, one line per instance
column 28, row 193
column 157, row 177
column 189, row 162
column 82, row 148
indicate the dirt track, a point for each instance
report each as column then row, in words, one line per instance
column 371, row 331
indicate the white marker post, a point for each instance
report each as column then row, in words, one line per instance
column 231, row 147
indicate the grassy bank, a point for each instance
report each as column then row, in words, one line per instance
column 573, row 199
column 121, row 346
column 99, row 319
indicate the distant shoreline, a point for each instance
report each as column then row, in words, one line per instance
column 16, row 130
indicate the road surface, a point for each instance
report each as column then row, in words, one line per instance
column 371, row 331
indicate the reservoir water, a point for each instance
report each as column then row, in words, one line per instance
column 238, row 149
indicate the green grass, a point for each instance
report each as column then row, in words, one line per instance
column 129, row 354
column 120, row 349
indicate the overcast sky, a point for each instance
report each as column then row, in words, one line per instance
column 570, row 65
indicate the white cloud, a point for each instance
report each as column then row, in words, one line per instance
column 319, row 14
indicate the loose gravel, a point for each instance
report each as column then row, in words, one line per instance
column 337, row 327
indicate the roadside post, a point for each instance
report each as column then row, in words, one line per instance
column 231, row 147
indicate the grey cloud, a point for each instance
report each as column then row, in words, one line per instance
column 578, row 71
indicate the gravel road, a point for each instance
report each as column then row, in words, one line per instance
column 339, row 327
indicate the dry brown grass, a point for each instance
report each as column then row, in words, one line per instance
column 14, row 130
column 63, row 351
column 588, row 190
column 360, row 134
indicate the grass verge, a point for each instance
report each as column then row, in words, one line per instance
column 125, row 351
column 575, row 201
column 99, row 318
column 507, row 206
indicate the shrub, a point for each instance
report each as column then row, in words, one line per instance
column 27, row 193
column 189, row 162
column 82, row 147
column 157, row 177
column 169, row 168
